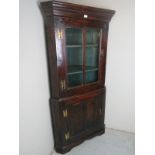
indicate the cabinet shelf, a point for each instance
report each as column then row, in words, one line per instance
column 92, row 45
column 75, row 46
column 75, row 69
column 92, row 69
column 72, row 73
column 78, row 69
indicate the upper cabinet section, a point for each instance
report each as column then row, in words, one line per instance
column 75, row 11
column 77, row 46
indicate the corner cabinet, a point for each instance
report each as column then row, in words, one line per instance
column 76, row 39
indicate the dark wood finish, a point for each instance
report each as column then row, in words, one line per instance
column 77, row 112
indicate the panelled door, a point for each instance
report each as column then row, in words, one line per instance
column 83, row 116
column 74, row 114
column 95, row 112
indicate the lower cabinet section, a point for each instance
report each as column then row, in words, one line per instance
column 76, row 119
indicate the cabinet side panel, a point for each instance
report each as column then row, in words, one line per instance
column 52, row 57
column 104, row 47
column 102, row 105
column 55, row 117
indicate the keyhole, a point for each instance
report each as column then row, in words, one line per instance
column 85, row 16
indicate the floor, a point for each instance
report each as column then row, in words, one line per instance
column 113, row 142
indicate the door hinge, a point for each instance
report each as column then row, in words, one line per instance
column 67, row 136
column 65, row 113
column 63, row 84
column 59, row 34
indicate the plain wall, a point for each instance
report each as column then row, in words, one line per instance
column 35, row 125
column 36, row 136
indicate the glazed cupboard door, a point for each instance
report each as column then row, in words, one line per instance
column 82, row 46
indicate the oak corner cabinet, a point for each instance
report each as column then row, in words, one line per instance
column 76, row 37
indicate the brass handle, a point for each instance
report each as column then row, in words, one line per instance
column 65, row 113
column 67, row 136
column 59, row 34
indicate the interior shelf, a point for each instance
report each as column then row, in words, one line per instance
column 78, row 69
column 90, row 68
column 92, row 45
column 72, row 46
column 88, row 45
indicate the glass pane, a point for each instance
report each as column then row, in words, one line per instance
column 75, row 79
column 74, row 56
column 73, row 36
column 92, row 36
column 92, row 55
column 91, row 76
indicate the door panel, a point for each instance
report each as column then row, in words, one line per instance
column 94, row 111
column 91, row 112
column 76, row 118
